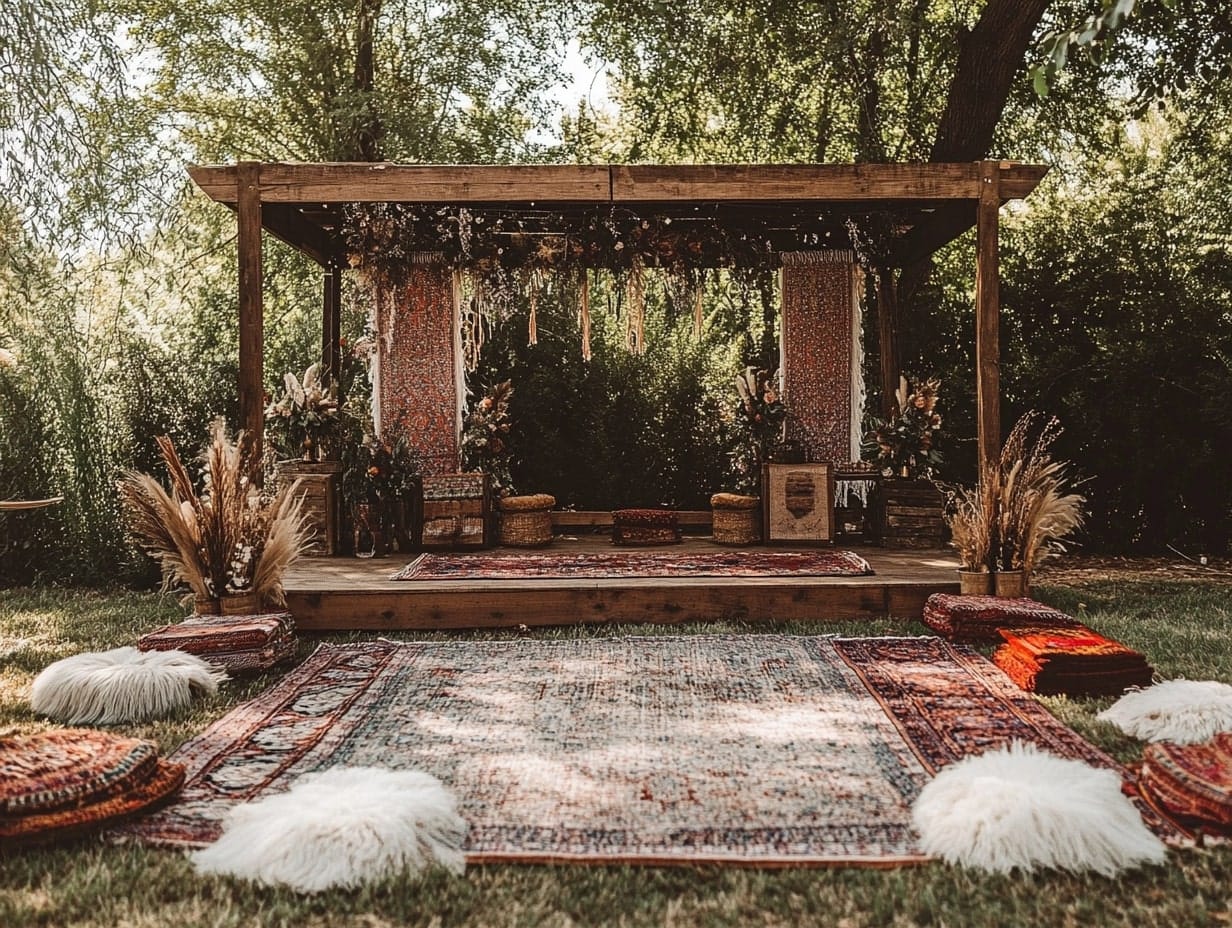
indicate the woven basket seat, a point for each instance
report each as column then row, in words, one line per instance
column 645, row 527
column 526, row 521
column 736, row 519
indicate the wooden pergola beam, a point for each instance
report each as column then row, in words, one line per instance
column 548, row 184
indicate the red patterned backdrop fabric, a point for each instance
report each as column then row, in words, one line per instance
column 417, row 357
column 817, row 350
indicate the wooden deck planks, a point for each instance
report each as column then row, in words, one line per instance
column 331, row 594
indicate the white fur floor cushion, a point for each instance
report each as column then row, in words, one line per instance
column 1019, row 807
column 1182, row 711
column 122, row 685
column 340, row 828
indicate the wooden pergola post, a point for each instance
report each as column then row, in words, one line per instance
column 988, row 315
column 331, row 323
column 252, row 311
column 887, row 339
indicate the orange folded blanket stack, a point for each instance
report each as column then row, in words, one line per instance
column 1070, row 660
column 1191, row 782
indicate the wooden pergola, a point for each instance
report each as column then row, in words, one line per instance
column 301, row 205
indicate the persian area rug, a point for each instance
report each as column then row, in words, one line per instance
column 626, row 564
column 760, row 750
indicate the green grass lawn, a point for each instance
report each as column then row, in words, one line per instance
column 1185, row 628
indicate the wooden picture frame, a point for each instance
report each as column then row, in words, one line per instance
column 798, row 503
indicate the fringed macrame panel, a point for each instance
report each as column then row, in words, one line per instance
column 819, row 351
column 418, row 363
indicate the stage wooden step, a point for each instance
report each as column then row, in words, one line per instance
column 335, row 594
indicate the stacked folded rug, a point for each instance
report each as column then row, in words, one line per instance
column 237, row 643
column 1070, row 659
column 976, row 619
column 63, row 784
column 1191, row 782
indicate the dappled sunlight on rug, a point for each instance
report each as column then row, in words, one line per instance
column 755, row 750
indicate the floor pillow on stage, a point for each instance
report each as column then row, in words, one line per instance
column 1021, row 808
column 340, row 828
column 1181, row 711
column 122, row 685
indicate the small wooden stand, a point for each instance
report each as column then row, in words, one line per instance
column 910, row 513
column 319, row 489
column 456, row 511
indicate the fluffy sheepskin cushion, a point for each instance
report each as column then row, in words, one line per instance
column 123, row 685
column 340, row 828
column 1020, row 807
column 1181, row 711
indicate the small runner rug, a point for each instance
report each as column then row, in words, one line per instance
column 759, row 750
column 602, row 565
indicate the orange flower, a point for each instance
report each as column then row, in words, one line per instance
column 374, row 471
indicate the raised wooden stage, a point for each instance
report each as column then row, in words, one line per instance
column 349, row 593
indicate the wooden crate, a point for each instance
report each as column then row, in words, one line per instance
column 910, row 514
column 456, row 511
column 322, row 500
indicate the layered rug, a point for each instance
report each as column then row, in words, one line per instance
column 761, row 750
column 624, row 564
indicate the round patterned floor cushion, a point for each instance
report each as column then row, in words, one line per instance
column 1181, row 711
column 60, row 784
column 1021, row 808
column 122, row 685
column 340, row 828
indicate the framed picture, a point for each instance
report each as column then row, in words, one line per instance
column 798, row 503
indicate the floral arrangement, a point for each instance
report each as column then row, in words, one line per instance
column 227, row 539
column 305, row 420
column 378, row 472
column 906, row 445
column 485, row 438
column 759, row 416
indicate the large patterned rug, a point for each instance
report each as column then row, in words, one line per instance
column 599, row 565
column 760, row 750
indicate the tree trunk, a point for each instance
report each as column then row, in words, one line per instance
column 368, row 128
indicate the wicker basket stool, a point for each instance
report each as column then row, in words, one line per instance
column 526, row 521
column 737, row 519
column 645, row 527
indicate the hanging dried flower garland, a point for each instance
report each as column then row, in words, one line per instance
column 507, row 254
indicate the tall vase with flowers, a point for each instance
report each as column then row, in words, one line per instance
column 305, row 422
column 905, row 450
column 228, row 543
column 759, row 416
column 379, row 480
column 486, row 438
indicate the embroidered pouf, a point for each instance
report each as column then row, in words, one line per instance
column 237, row 643
column 526, row 521
column 736, row 519
column 1070, row 660
column 974, row 619
column 1191, row 781
column 61, row 784
column 645, row 527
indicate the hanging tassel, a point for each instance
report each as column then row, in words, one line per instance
column 635, row 313
column 700, row 287
column 534, row 282
column 584, row 314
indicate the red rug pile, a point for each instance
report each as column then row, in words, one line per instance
column 1070, row 659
